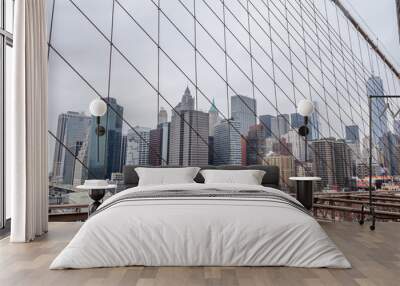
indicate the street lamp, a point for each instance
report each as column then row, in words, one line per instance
column 305, row 108
column 98, row 108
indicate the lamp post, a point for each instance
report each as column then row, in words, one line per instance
column 304, row 192
column 305, row 108
column 98, row 108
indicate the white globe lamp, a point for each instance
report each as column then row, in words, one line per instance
column 305, row 107
column 98, row 107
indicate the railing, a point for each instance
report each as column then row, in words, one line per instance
column 68, row 212
column 354, row 206
column 351, row 206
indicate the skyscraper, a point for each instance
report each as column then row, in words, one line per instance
column 391, row 153
column 81, row 170
column 162, row 116
column 137, row 146
column 72, row 132
column 314, row 124
column 297, row 144
column 379, row 115
column 109, row 144
column 280, row 125
column 124, row 142
column 214, row 118
column 255, row 144
column 244, row 111
column 159, row 139
column 186, row 103
column 266, row 122
column 332, row 162
column 365, row 150
column 352, row 133
column 356, row 158
column 286, row 164
column 282, row 147
column 155, row 146
column 165, row 137
column 227, row 143
column 296, row 120
column 188, row 134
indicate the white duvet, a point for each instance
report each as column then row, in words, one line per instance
column 193, row 231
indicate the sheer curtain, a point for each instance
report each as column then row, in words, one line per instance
column 27, row 124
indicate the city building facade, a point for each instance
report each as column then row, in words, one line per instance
column 159, row 145
column 315, row 123
column 391, row 153
column 124, row 142
column 296, row 120
column 287, row 168
column 352, row 133
column 266, row 122
column 280, row 125
column 165, row 136
column 214, row 119
column 255, row 144
column 244, row 111
column 332, row 162
column 105, row 151
column 137, row 146
column 72, row 133
column 227, row 144
column 188, row 134
column 162, row 116
column 296, row 143
column 155, row 140
column 378, row 112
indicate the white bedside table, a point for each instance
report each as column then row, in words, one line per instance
column 304, row 192
column 96, row 193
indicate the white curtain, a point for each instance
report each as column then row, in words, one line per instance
column 26, row 126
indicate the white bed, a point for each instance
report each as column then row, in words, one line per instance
column 202, row 231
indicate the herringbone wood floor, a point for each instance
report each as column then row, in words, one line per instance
column 375, row 257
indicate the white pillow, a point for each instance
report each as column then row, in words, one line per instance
column 166, row 176
column 247, row 177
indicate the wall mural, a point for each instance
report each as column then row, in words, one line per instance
column 200, row 82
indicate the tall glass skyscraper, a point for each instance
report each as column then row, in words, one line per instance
column 280, row 125
column 72, row 132
column 266, row 122
column 227, row 145
column 352, row 133
column 296, row 120
column 244, row 110
column 314, row 124
column 379, row 115
column 108, row 161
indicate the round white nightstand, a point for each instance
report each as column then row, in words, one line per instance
column 96, row 193
column 304, row 192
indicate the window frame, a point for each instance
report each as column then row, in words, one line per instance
column 6, row 39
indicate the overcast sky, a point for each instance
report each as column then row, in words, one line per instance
column 88, row 52
column 380, row 16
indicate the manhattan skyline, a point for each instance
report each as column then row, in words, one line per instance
column 270, row 140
